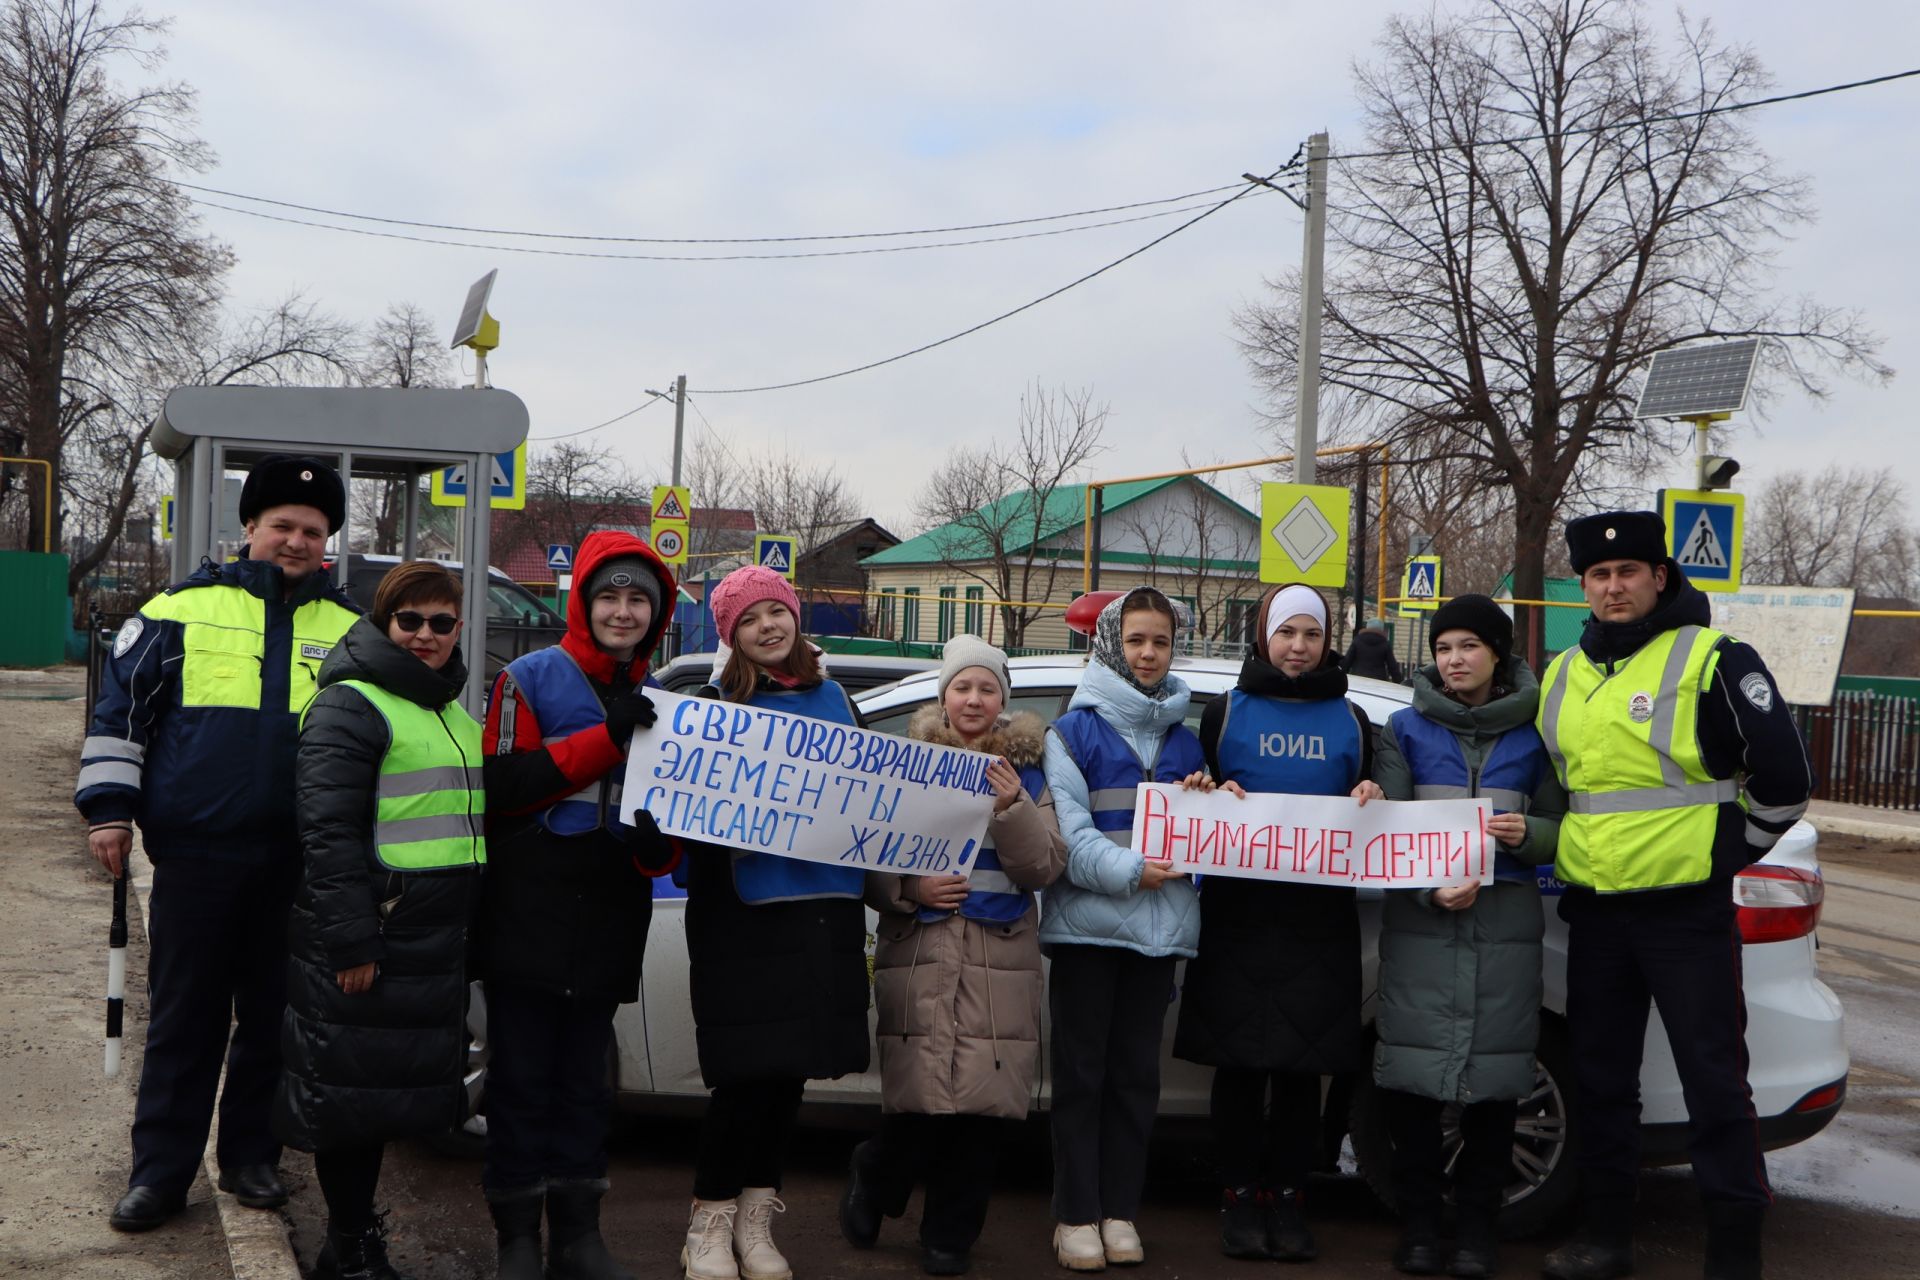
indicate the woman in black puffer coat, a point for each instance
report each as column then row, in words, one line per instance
column 390, row 816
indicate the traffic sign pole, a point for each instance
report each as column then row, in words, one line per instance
column 1313, row 267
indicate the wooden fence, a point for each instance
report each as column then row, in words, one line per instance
column 1865, row 749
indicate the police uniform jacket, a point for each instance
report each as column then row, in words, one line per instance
column 199, row 709
column 1744, row 736
column 389, row 1061
column 1276, row 985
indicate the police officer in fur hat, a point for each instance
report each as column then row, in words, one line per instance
column 1682, row 766
column 193, row 739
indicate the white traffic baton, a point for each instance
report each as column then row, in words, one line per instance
column 116, row 972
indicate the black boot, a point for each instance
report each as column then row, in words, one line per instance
column 1418, row 1253
column 869, row 1197
column 516, row 1230
column 1475, row 1244
column 355, row 1255
column 1243, row 1224
column 1287, row 1236
column 1603, row 1249
column 575, row 1250
column 1733, row 1241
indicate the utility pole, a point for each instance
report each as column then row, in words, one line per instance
column 679, row 422
column 1313, row 263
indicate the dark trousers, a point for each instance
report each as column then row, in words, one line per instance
column 348, row 1176
column 1678, row 950
column 1258, row 1145
column 952, row 1156
column 548, row 1099
column 743, row 1139
column 1109, row 1007
column 217, row 986
column 1419, row 1157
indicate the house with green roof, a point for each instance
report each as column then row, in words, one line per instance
column 1009, row 569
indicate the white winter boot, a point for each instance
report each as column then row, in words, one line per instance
column 753, row 1238
column 1120, row 1241
column 1078, row 1248
column 708, row 1254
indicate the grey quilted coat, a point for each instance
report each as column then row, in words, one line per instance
column 1460, row 991
column 959, row 999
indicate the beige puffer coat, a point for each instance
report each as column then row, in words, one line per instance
column 959, row 999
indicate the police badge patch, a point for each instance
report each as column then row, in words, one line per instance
column 1640, row 708
column 128, row 634
column 1758, row 691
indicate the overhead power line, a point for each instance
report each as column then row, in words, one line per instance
column 1246, row 189
column 653, row 398
column 559, row 235
column 1615, row 127
column 686, row 257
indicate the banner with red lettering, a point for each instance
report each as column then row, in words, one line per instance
column 1331, row 840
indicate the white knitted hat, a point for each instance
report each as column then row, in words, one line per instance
column 965, row 651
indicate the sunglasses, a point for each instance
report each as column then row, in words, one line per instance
column 442, row 623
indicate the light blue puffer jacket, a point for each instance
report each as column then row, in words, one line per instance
column 1099, row 900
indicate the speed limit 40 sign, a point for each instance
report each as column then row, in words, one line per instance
column 670, row 540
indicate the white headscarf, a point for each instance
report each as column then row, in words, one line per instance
column 1293, row 601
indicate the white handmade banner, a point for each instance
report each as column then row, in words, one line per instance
column 1334, row 840
column 810, row 789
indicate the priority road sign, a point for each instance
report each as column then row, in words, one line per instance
column 1420, row 586
column 672, row 502
column 560, row 557
column 1303, row 533
column 772, row 551
column 1705, row 533
column 670, row 540
column 507, row 485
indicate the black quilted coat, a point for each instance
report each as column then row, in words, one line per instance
column 1276, row 985
column 386, row 1063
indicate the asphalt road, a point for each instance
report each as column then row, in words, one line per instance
column 1848, row 1201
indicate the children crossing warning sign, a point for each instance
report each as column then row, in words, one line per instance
column 1705, row 529
column 672, row 503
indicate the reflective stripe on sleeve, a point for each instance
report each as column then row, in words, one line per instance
column 97, row 748
column 108, row 773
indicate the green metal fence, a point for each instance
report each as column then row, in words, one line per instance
column 33, row 625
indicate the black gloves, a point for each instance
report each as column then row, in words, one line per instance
column 628, row 712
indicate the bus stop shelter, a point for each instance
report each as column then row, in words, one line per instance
column 370, row 433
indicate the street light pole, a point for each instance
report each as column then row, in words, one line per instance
column 1306, row 427
column 679, row 422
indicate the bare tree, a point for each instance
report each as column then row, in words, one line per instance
column 401, row 349
column 100, row 264
column 1546, row 197
column 109, row 408
column 1840, row 528
column 992, row 509
column 573, row 488
column 786, row 495
column 1193, row 546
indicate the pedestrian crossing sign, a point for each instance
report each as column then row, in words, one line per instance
column 772, row 551
column 1705, row 532
column 1420, row 586
column 507, row 483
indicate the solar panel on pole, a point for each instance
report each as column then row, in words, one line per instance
column 1693, row 382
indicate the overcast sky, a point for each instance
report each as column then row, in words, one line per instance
column 719, row 119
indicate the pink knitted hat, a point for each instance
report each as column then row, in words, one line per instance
column 744, row 588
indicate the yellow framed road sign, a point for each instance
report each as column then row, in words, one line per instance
column 507, row 485
column 772, row 551
column 1303, row 533
column 670, row 539
column 1706, row 530
column 672, row 503
column 1420, row 586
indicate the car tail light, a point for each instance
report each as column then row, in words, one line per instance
column 1777, row 903
column 1820, row 1099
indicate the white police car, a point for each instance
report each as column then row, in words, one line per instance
column 1794, row 1030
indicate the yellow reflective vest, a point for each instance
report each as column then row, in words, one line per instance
column 1642, row 809
column 430, row 804
column 224, row 637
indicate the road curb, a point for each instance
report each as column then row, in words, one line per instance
column 1864, row 828
column 258, row 1244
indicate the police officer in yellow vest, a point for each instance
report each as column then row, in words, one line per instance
column 1682, row 765
column 193, row 738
